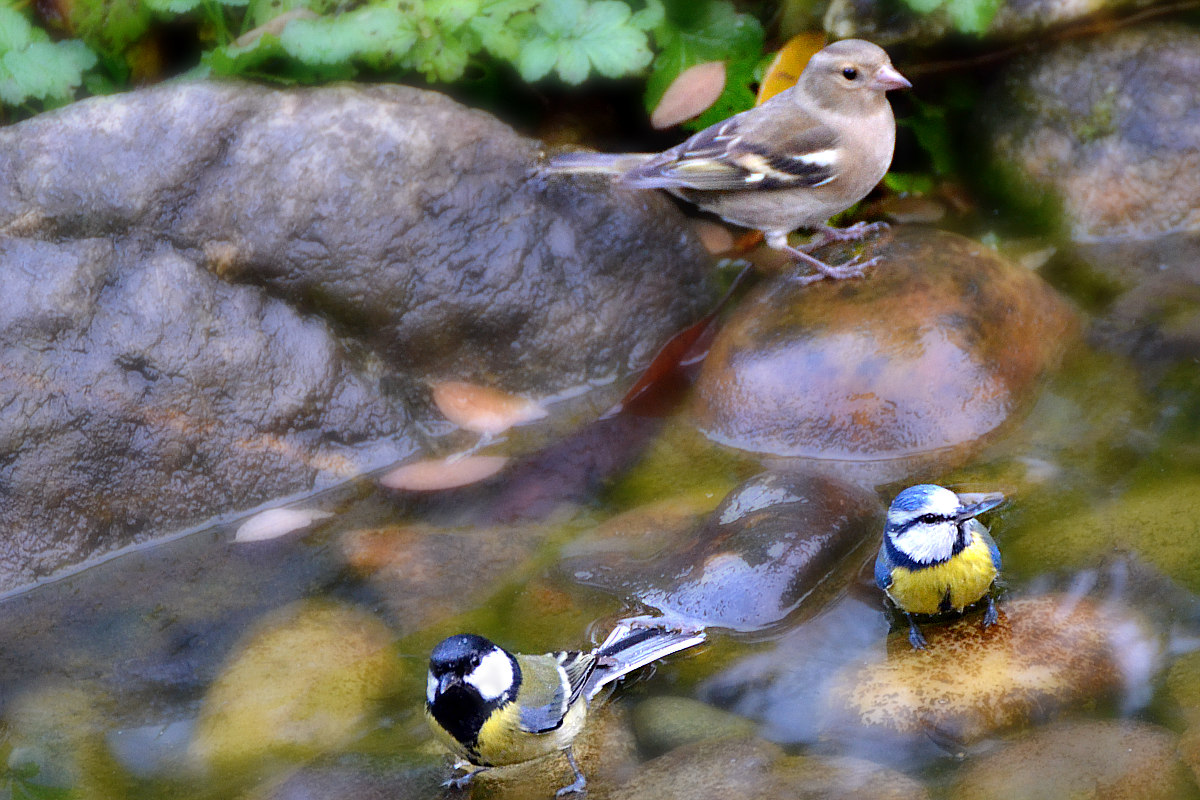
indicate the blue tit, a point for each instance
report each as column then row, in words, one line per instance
column 493, row 708
column 936, row 557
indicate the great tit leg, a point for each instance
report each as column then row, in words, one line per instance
column 462, row 781
column 991, row 616
column 580, row 782
column 914, row 634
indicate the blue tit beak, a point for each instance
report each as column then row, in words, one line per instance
column 972, row 505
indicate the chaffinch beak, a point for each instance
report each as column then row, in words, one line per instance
column 888, row 77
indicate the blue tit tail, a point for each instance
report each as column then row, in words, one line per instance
column 595, row 163
column 633, row 644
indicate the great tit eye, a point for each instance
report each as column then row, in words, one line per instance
column 849, row 73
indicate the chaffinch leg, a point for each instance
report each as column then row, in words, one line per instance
column 828, row 234
column 851, row 269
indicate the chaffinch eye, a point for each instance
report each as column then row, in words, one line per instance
column 849, row 73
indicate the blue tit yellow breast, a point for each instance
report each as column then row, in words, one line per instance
column 964, row 578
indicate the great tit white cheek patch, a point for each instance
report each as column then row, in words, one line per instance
column 494, row 675
column 431, row 684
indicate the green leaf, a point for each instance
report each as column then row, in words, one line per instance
column 537, row 59
column 973, row 16
column 34, row 68
column 377, row 35
column 172, row 6
column 695, row 33
column 574, row 38
column 15, row 31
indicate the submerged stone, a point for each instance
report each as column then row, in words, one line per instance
column 1046, row 653
column 934, row 349
column 664, row 723
column 752, row 768
column 1097, row 759
column 770, row 544
column 302, row 683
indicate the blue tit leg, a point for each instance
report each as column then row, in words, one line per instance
column 991, row 616
column 462, row 781
column 914, row 634
column 580, row 782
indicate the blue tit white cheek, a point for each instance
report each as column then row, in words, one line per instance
column 494, row 675
column 928, row 543
column 431, row 684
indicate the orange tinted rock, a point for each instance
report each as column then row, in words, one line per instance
column 936, row 347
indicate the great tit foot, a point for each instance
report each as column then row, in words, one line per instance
column 852, row 233
column 991, row 616
column 462, row 781
column 914, row 636
column 580, row 784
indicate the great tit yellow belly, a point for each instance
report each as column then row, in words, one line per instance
column 494, row 708
column 936, row 557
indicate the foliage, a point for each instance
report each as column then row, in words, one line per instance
column 696, row 32
column 32, row 68
column 967, row 16
column 306, row 41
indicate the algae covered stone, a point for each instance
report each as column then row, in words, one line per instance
column 304, row 681
column 1046, row 653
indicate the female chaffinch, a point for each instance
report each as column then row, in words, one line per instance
column 806, row 154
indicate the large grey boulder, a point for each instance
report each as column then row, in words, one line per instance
column 218, row 295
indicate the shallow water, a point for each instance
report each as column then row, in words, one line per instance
column 104, row 674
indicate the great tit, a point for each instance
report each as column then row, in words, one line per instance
column 808, row 153
column 936, row 557
column 493, row 708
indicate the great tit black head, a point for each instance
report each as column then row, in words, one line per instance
column 469, row 678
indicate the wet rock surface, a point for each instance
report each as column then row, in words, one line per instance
column 144, row 395
column 1105, row 760
column 932, row 351
column 748, row 767
column 213, row 291
column 1045, row 653
column 664, row 723
column 1108, row 130
column 770, row 544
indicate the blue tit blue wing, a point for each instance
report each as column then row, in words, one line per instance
column 992, row 548
column 883, row 569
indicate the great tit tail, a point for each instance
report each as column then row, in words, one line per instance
column 634, row 644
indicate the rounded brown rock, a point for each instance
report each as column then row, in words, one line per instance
column 1100, row 759
column 935, row 348
column 1045, row 653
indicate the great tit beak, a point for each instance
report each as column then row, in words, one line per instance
column 888, row 77
column 974, row 504
column 447, row 681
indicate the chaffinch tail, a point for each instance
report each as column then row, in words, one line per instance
column 806, row 154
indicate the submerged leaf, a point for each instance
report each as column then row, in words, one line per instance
column 276, row 522
column 443, row 473
column 483, row 409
